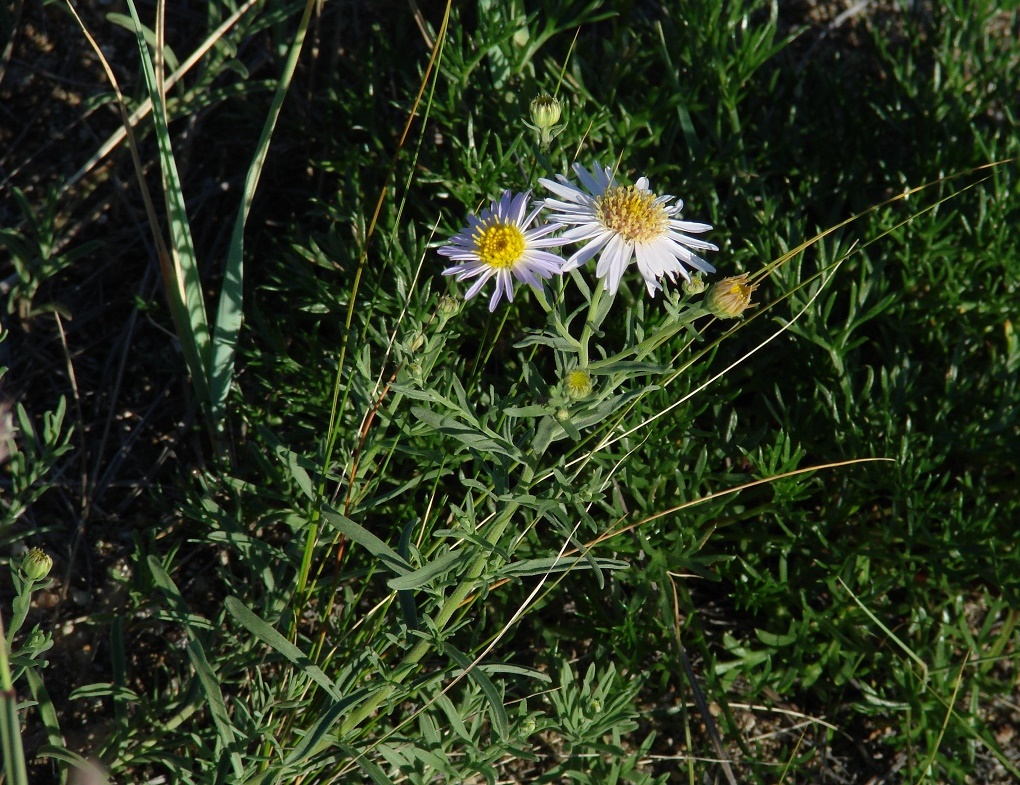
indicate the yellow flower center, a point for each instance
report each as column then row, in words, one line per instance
column 499, row 245
column 578, row 383
column 632, row 213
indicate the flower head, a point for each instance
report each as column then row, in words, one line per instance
column 578, row 383
column 730, row 297
column 694, row 285
column 36, row 564
column 498, row 244
column 624, row 223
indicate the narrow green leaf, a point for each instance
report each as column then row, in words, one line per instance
column 309, row 743
column 534, row 410
column 61, row 753
column 269, row 635
column 421, row 576
column 10, row 738
column 104, row 689
column 122, row 20
column 471, row 436
column 217, row 707
column 499, row 719
column 456, row 723
column 367, row 540
column 230, row 309
column 551, row 565
column 374, row 771
column 182, row 281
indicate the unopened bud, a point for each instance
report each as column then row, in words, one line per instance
column 448, row 306
column 545, row 112
column 730, row 297
column 694, row 285
column 578, row 383
column 415, row 342
column 36, row 564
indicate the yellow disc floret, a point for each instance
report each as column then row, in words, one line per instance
column 632, row 213
column 578, row 383
column 499, row 245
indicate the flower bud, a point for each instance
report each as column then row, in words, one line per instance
column 545, row 112
column 694, row 285
column 36, row 564
column 448, row 307
column 730, row 297
column 415, row 342
column 578, row 383
column 563, row 415
column 38, row 641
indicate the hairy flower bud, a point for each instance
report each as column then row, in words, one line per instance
column 694, row 285
column 578, row 383
column 448, row 307
column 730, row 297
column 36, row 564
column 545, row 112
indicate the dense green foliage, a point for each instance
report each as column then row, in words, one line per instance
column 422, row 560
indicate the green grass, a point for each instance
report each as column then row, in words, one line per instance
column 779, row 549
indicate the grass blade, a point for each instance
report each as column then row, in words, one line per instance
column 231, row 307
column 269, row 635
column 180, row 273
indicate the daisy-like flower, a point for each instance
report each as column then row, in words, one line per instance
column 498, row 244
column 624, row 223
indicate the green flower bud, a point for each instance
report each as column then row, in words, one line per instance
column 730, row 297
column 36, row 564
column 578, row 383
column 563, row 415
column 448, row 307
column 415, row 342
column 38, row 641
column 545, row 112
column 696, row 285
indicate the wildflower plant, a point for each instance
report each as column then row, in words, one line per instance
column 461, row 542
column 622, row 225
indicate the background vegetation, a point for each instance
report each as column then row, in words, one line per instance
column 360, row 567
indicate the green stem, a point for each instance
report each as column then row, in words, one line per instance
column 589, row 323
column 20, row 607
column 10, row 725
column 652, row 342
column 556, row 318
column 449, row 608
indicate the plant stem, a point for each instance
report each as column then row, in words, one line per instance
column 450, row 606
column 589, row 323
column 10, row 726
